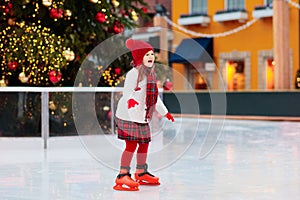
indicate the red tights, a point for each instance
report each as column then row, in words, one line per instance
column 141, row 155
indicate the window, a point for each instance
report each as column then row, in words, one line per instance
column 270, row 73
column 198, row 6
column 268, row 2
column 195, row 77
column 235, row 74
column 235, row 4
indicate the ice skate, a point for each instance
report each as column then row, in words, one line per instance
column 125, row 182
column 145, row 178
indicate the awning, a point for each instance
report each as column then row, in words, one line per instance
column 193, row 50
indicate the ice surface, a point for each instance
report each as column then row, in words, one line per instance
column 251, row 160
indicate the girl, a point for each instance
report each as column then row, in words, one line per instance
column 134, row 112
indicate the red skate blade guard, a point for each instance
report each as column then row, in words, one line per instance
column 121, row 188
column 147, row 183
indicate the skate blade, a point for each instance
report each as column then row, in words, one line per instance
column 149, row 184
column 121, row 188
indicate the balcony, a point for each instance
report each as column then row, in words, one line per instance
column 202, row 19
column 240, row 15
column 262, row 11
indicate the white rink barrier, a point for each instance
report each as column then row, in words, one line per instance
column 45, row 101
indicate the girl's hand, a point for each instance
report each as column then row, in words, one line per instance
column 169, row 117
column 132, row 103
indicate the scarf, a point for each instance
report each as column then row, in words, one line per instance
column 151, row 95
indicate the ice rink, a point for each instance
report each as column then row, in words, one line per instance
column 194, row 158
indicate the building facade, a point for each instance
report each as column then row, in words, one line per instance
column 241, row 60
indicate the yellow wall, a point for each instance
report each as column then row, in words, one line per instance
column 178, row 73
column 257, row 37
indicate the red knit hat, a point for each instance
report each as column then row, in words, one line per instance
column 138, row 50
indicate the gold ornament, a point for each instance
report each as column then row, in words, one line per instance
column 134, row 16
column 23, row 78
column 64, row 109
column 69, row 55
column 47, row 3
column 52, row 106
column 105, row 108
column 115, row 3
column 68, row 13
column 11, row 21
column 3, row 82
column 94, row 1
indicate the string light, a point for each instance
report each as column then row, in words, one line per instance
column 213, row 35
column 34, row 47
column 111, row 78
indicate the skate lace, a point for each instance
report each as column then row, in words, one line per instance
column 144, row 173
column 121, row 175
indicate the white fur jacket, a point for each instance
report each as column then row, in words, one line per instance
column 138, row 112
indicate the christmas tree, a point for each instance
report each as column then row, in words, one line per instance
column 44, row 42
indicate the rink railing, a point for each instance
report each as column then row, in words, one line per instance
column 45, row 128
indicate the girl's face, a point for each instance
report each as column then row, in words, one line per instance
column 149, row 58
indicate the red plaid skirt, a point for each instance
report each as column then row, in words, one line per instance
column 133, row 131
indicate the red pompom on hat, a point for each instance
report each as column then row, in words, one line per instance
column 138, row 50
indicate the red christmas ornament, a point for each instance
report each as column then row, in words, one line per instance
column 118, row 27
column 125, row 13
column 168, row 85
column 9, row 5
column 100, row 17
column 144, row 9
column 12, row 65
column 40, row 66
column 52, row 13
column 6, row 10
column 56, row 13
column 109, row 114
column 55, row 76
column 118, row 70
